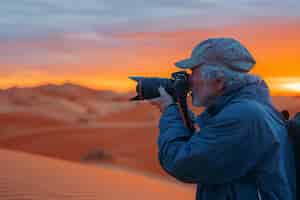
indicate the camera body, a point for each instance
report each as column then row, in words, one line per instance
column 147, row 87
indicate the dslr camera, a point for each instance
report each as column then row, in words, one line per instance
column 147, row 87
column 177, row 86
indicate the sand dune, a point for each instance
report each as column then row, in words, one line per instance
column 67, row 102
column 24, row 176
column 134, row 146
column 15, row 122
column 69, row 122
column 141, row 112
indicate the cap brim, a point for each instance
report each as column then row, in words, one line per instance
column 185, row 64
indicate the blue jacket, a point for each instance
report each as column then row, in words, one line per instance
column 242, row 150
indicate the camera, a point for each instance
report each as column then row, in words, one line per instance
column 177, row 86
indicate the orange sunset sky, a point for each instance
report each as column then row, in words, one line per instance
column 98, row 45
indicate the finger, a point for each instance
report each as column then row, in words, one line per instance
column 162, row 91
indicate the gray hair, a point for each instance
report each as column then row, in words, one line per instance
column 220, row 71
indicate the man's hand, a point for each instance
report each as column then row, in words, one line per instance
column 163, row 101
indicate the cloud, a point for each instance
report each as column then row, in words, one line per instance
column 63, row 53
column 33, row 17
column 284, row 84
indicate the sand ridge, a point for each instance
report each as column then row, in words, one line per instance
column 25, row 176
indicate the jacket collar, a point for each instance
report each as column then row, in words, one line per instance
column 252, row 87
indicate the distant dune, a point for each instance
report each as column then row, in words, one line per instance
column 24, row 176
column 67, row 102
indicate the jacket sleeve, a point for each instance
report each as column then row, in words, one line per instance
column 225, row 149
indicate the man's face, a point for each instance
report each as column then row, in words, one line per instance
column 204, row 91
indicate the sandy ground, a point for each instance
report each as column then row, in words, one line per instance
column 24, row 176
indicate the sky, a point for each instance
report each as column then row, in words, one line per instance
column 98, row 43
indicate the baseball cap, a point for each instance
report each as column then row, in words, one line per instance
column 220, row 51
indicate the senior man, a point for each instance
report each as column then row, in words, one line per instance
column 242, row 150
